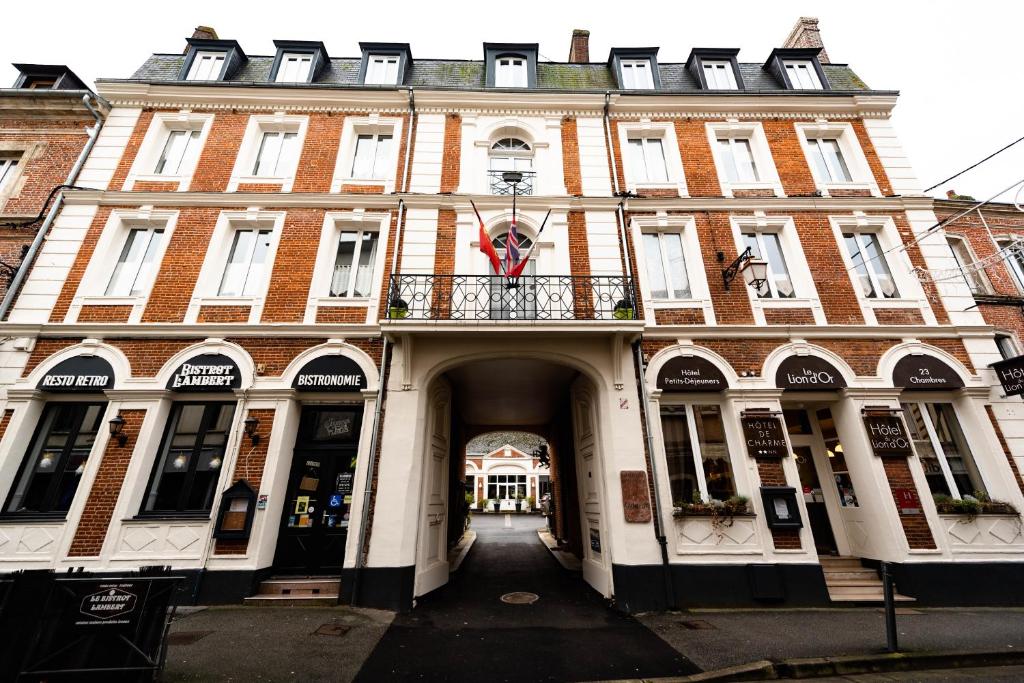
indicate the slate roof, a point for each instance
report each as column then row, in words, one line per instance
column 469, row 75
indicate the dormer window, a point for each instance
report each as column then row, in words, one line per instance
column 635, row 68
column 294, row 67
column 298, row 61
column 382, row 70
column 802, row 75
column 719, row 75
column 510, row 72
column 715, row 68
column 797, row 68
column 47, row 77
column 206, row 66
column 636, row 74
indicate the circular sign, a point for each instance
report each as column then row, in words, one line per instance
column 690, row 373
column 80, row 374
column 209, row 372
column 808, row 373
column 925, row 372
column 330, row 373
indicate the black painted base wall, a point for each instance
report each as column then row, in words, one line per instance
column 947, row 584
column 379, row 587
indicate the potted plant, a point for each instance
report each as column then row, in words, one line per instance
column 531, row 502
column 624, row 310
column 483, row 504
column 398, row 308
column 519, row 502
column 979, row 503
column 722, row 512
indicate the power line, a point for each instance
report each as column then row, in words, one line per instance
column 998, row 151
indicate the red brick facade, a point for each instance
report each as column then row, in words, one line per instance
column 249, row 464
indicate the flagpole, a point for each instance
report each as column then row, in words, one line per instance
column 500, row 264
column 536, row 240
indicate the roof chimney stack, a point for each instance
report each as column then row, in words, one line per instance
column 579, row 50
column 806, row 34
column 205, row 32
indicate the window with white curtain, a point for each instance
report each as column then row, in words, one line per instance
column 277, row 155
column 179, row 152
column 136, row 264
column 353, row 265
column 827, row 157
column 647, row 159
column 637, row 74
column 8, row 165
column 381, row 70
column 510, row 72
column 697, row 453
column 206, row 66
column 870, row 265
column 802, row 74
column 373, row 152
column 943, row 450
column 719, row 75
column 244, row 270
column 666, row 265
column 768, row 247
column 294, row 67
column 737, row 157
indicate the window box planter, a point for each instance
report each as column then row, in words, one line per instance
column 972, row 506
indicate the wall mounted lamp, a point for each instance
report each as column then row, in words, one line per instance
column 251, row 425
column 754, row 270
column 117, row 430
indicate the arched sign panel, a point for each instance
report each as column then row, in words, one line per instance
column 209, row 372
column 808, row 373
column 78, row 374
column 925, row 372
column 690, row 373
column 330, row 373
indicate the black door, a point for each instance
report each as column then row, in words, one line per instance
column 317, row 509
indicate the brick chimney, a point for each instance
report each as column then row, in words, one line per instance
column 806, row 34
column 205, row 32
column 579, row 50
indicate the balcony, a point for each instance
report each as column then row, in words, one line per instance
column 499, row 186
column 528, row 298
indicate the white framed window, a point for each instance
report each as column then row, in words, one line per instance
column 647, row 159
column 8, row 169
column 1014, row 249
column 743, row 159
column 245, row 268
column 802, row 74
column 1007, row 346
column 943, row 449
column 368, row 153
column 738, row 160
column 354, row 263
column 381, row 70
column 835, row 157
column 650, row 156
column 637, row 74
column 870, row 265
column 171, row 149
column 294, row 67
column 206, row 66
column 768, row 246
column 278, row 154
column 510, row 71
column 180, row 151
column 696, row 453
column 664, row 254
column 974, row 276
column 719, row 75
column 372, row 156
column 828, row 160
column 137, row 264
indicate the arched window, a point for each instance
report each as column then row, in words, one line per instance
column 511, row 154
column 501, row 241
column 517, row 302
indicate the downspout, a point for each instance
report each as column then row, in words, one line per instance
column 37, row 243
column 384, row 360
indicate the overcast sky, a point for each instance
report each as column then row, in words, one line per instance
column 958, row 65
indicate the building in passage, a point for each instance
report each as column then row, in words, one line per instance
column 261, row 344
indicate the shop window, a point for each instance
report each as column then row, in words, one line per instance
column 8, row 166
column 56, row 458
column 766, row 246
column 136, row 265
column 870, row 265
column 942, row 449
column 353, row 265
column 506, row 486
column 244, row 270
column 188, row 464
column 666, row 265
column 647, row 159
column 278, row 154
column 206, row 66
column 372, row 157
column 697, row 454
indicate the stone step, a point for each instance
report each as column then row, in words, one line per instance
column 865, row 598
column 300, row 586
column 325, row 600
column 841, row 574
column 859, row 581
column 838, row 562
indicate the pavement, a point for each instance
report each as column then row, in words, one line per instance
column 464, row 632
column 996, row 674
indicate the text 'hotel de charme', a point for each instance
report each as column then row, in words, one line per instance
column 258, row 309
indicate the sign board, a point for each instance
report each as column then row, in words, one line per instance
column 1011, row 375
column 109, row 605
column 765, row 436
column 808, row 373
column 636, row 498
column 925, row 372
column 80, row 374
column 690, row 373
column 907, row 501
column 330, row 373
column 888, row 435
column 210, row 372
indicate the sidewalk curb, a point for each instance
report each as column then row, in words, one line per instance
column 817, row 667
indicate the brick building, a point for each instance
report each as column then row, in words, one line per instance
column 262, row 343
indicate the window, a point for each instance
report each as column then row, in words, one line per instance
column 353, row 266
column 278, row 154
column 636, row 74
column 1007, row 347
column 381, row 70
column 506, row 486
column 511, row 154
column 188, row 464
column 56, row 458
column 766, row 246
column 243, row 274
column 828, row 160
column 1014, row 250
column 837, row 459
column 372, row 155
column 647, row 160
column 876, row 281
column 294, row 67
column 135, row 267
column 510, row 72
column 738, row 159
column 206, row 66
column 666, row 265
column 719, row 75
column 8, row 164
column 945, row 456
column 179, row 152
column 802, row 74
column 964, row 259
column 697, row 453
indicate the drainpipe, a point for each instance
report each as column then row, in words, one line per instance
column 384, row 360
column 33, row 250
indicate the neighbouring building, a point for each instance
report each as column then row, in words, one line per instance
column 261, row 344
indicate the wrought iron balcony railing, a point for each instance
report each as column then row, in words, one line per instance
column 499, row 186
column 527, row 298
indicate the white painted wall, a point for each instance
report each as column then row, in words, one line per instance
column 428, row 150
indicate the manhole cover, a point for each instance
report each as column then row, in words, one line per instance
column 520, row 598
column 337, row 630
column 186, row 637
column 698, row 625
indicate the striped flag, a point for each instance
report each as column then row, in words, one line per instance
column 512, row 248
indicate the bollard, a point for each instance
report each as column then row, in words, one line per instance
column 891, row 639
